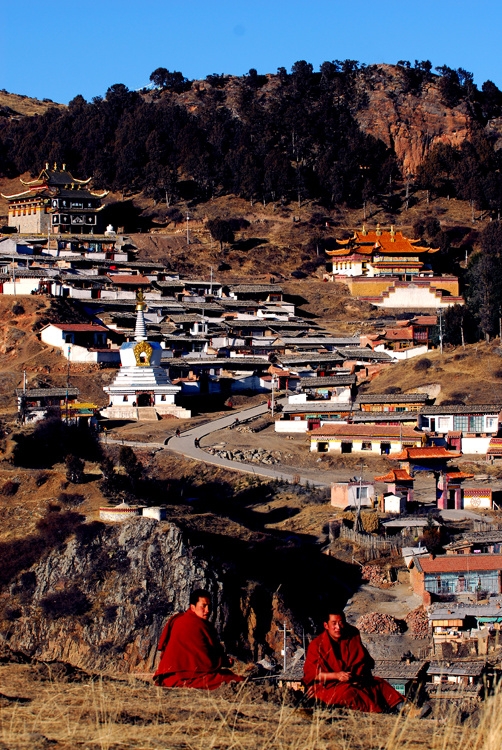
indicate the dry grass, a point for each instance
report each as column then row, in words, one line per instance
column 37, row 711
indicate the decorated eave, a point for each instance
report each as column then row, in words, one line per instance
column 25, row 193
column 368, row 242
column 395, row 475
column 47, row 174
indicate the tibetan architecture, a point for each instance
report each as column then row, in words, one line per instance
column 55, row 203
column 142, row 390
column 391, row 270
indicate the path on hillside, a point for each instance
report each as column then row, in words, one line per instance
column 184, row 445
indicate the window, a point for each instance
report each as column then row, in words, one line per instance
column 476, row 424
column 443, row 424
column 361, row 493
column 366, row 446
column 461, row 422
column 125, row 398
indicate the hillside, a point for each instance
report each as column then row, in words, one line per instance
column 14, row 106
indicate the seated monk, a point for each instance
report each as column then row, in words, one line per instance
column 337, row 670
column 192, row 655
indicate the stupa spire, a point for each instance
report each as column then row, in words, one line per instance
column 140, row 329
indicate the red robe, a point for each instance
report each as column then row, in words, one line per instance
column 363, row 692
column 192, row 655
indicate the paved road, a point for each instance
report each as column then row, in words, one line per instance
column 184, row 444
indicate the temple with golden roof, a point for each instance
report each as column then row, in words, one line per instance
column 378, row 253
column 55, row 203
column 390, row 270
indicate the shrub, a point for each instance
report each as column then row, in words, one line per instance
column 70, row 499
column 55, row 527
column 110, row 612
column 422, row 365
column 88, row 532
column 74, row 469
column 498, row 373
column 9, row 488
column 69, row 603
column 41, row 478
column 51, row 441
column 17, row 309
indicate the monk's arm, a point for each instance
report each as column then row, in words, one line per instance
column 317, row 668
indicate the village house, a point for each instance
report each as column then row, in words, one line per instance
column 357, row 438
column 463, row 673
column 409, row 526
column 80, row 342
column 390, row 402
column 455, row 622
column 456, row 575
column 409, row 418
column 34, row 404
column 407, row 677
column 468, row 428
column 338, row 387
column 400, row 485
column 304, row 417
column 476, row 542
column 353, row 494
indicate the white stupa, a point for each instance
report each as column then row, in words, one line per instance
column 141, row 389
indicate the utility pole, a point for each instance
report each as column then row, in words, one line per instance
column 68, row 380
column 440, row 316
column 188, row 234
column 284, row 643
column 211, row 285
column 273, row 392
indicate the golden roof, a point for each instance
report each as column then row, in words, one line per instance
column 377, row 241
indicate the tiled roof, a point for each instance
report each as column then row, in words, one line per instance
column 361, row 430
column 460, row 563
column 389, row 669
column 251, row 288
column 316, row 407
column 462, row 409
column 129, row 279
column 458, row 475
column 495, row 447
column 393, row 334
column 44, row 392
column 424, row 453
column 465, row 668
column 88, row 327
column 386, row 416
column 307, row 383
column 395, row 475
column 392, row 398
column 365, row 353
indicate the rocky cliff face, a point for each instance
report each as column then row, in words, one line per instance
column 100, row 601
column 410, row 123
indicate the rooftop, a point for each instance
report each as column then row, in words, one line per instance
column 462, row 409
column 458, row 563
column 371, row 431
column 392, row 398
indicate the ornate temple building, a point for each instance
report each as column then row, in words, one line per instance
column 55, row 203
column 390, row 270
column 141, row 390
column 378, row 253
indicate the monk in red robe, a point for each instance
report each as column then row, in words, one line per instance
column 192, row 655
column 337, row 671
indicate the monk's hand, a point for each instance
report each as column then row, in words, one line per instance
column 310, row 692
column 342, row 676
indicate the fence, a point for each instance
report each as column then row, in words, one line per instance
column 373, row 546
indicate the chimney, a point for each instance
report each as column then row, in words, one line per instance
column 378, row 231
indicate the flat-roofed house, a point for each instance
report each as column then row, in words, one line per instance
column 358, row 438
column 465, row 427
column 455, row 575
column 397, row 402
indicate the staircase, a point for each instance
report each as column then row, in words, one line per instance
column 147, row 414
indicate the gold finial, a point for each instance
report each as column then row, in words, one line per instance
column 364, row 232
column 55, row 167
column 140, row 301
column 378, row 231
column 64, row 167
column 392, row 233
column 47, row 165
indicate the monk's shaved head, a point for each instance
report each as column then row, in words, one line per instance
column 199, row 594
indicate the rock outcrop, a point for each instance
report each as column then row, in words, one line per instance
column 100, row 601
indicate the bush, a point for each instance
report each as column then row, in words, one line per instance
column 88, row 532
column 54, row 528
column 70, row 499
column 9, row 488
column 69, row 603
column 41, row 478
column 18, row 309
column 74, row 469
column 51, row 441
column 422, row 365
